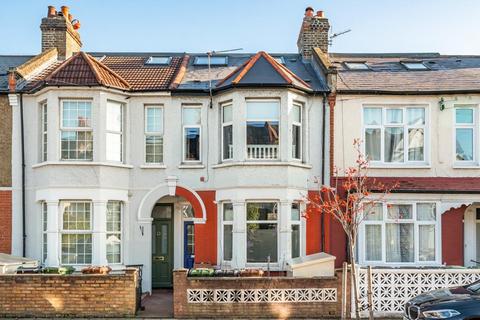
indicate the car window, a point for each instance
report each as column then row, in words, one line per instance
column 474, row 287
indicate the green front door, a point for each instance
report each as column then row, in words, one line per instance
column 162, row 246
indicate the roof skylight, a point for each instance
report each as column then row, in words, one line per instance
column 414, row 65
column 356, row 65
column 159, row 60
column 279, row 60
column 214, row 60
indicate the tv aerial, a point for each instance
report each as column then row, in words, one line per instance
column 333, row 36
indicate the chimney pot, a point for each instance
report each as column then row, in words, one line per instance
column 70, row 17
column 309, row 12
column 320, row 14
column 65, row 11
column 12, row 81
column 52, row 12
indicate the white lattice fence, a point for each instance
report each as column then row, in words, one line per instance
column 393, row 287
column 261, row 295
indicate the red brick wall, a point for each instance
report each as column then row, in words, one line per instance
column 284, row 310
column 5, row 221
column 452, row 236
column 43, row 295
column 314, row 239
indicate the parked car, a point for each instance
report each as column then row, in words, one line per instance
column 453, row 303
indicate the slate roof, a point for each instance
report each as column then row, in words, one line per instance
column 262, row 70
column 7, row 62
column 197, row 77
column 386, row 74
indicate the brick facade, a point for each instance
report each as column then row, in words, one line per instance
column 43, row 295
column 5, row 142
column 183, row 309
column 5, row 221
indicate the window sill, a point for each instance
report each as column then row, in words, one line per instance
column 400, row 166
column 153, row 166
column 81, row 163
column 261, row 163
column 466, row 166
column 191, row 166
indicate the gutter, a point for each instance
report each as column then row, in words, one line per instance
column 322, row 216
column 22, row 138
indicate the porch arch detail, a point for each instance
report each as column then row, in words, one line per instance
column 171, row 188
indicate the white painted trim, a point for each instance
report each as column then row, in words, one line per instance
column 262, row 163
column 81, row 163
column 6, row 188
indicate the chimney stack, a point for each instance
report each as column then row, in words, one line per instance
column 313, row 33
column 58, row 32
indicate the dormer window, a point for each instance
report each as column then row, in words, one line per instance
column 357, row 66
column 214, row 61
column 414, row 65
column 159, row 60
column 280, row 60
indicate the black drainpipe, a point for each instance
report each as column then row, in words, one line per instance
column 24, row 235
column 322, row 216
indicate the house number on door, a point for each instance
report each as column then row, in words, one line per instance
column 159, row 233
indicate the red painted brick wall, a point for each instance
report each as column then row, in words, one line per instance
column 206, row 234
column 314, row 239
column 452, row 236
column 5, row 221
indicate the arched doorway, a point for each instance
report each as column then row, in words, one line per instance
column 173, row 239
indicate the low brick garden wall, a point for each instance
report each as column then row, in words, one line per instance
column 263, row 297
column 52, row 295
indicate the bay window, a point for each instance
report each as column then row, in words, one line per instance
column 114, row 131
column 76, row 237
column 76, row 130
column 114, row 231
column 154, row 134
column 465, row 134
column 297, row 132
column 395, row 134
column 44, row 131
column 400, row 234
column 191, row 120
column 262, row 234
column 227, row 231
column 296, row 227
column 227, row 132
column 263, row 129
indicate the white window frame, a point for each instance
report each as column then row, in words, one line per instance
column 44, row 218
column 186, row 126
column 120, row 133
column 156, row 134
column 222, row 234
column 76, row 129
column 279, row 145
column 116, row 232
column 277, row 222
column 44, row 131
column 63, row 231
column 226, row 124
column 406, row 127
column 298, row 124
column 300, row 227
column 474, row 127
column 438, row 233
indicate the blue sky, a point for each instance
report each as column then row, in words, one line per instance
column 445, row 26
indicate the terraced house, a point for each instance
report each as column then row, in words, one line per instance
column 418, row 116
column 170, row 159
